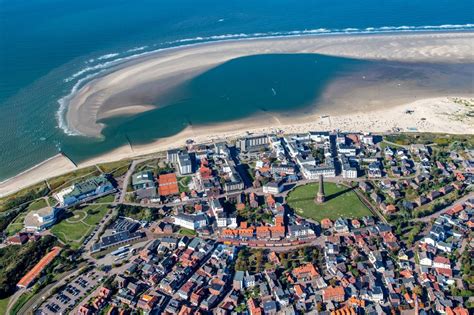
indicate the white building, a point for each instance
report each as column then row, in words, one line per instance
column 184, row 164
column 319, row 136
column 313, row 172
column 273, row 188
column 41, row 219
column 190, row 221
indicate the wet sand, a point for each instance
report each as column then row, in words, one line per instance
column 142, row 82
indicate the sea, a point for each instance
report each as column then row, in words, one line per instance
column 50, row 48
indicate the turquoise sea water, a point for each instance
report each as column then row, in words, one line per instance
column 49, row 48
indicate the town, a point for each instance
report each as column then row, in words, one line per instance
column 319, row 223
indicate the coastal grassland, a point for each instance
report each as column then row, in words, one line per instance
column 80, row 223
column 23, row 196
column 341, row 201
column 68, row 179
column 38, row 204
column 442, row 140
column 116, row 169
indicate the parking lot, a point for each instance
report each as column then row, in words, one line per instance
column 64, row 300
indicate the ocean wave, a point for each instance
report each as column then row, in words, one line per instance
column 354, row 30
column 137, row 49
column 97, row 69
column 64, row 102
column 108, row 56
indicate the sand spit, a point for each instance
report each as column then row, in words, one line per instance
column 106, row 96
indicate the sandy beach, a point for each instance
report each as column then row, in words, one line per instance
column 441, row 115
column 126, row 92
column 137, row 84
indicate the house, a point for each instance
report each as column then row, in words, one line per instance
column 238, row 282
column 305, row 273
column 143, row 180
column 424, row 259
column 326, row 223
column 334, row 294
column 191, row 221
column 35, row 272
column 432, row 195
column 365, row 186
column 441, row 262
column 341, row 226
column 252, row 307
column 147, row 302
column 274, row 187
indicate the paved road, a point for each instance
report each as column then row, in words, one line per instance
column 126, row 179
column 438, row 213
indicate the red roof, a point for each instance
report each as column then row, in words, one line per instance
column 38, row 268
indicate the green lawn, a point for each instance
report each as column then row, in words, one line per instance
column 16, row 225
column 3, row 305
column 187, row 232
column 38, row 204
column 75, row 228
column 95, row 213
column 25, row 297
column 106, row 199
column 340, row 202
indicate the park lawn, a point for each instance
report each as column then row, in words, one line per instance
column 71, row 233
column 183, row 183
column 341, row 201
column 95, row 213
column 187, row 232
column 106, row 199
column 75, row 228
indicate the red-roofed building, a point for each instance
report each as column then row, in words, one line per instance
column 147, row 302
column 444, row 272
column 305, row 272
column 460, row 311
column 84, row 310
column 253, row 309
column 441, row 262
column 18, row 239
column 326, row 223
column 28, row 279
column 333, row 294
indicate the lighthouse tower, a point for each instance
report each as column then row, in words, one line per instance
column 320, row 197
